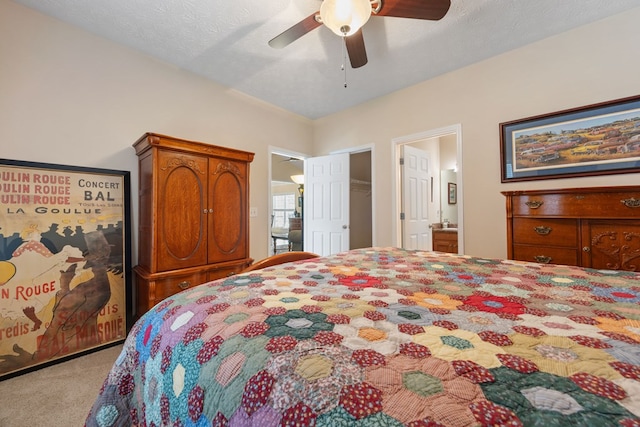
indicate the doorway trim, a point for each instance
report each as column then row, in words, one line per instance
column 397, row 187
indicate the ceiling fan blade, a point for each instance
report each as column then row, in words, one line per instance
column 294, row 33
column 356, row 49
column 432, row 10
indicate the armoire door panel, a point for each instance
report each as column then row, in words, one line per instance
column 181, row 217
column 228, row 221
column 146, row 207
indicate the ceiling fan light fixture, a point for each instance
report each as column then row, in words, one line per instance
column 298, row 179
column 345, row 17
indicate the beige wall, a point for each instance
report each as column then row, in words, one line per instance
column 71, row 98
column 591, row 64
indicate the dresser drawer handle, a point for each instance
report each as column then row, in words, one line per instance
column 543, row 231
column 542, row 259
column 534, row 204
column 184, row 284
column 631, row 203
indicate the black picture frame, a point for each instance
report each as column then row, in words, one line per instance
column 596, row 139
column 65, row 263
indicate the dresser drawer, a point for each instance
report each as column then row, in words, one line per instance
column 621, row 204
column 546, row 255
column 545, row 231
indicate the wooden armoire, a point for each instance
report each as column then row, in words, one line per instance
column 193, row 215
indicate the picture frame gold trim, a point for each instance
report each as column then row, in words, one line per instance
column 65, row 263
column 597, row 139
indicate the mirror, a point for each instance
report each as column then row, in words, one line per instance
column 449, row 197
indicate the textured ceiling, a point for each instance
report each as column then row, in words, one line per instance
column 226, row 41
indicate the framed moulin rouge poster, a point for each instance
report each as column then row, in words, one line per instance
column 64, row 262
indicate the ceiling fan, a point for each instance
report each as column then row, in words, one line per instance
column 346, row 18
column 291, row 159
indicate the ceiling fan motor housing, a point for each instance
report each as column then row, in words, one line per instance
column 345, row 17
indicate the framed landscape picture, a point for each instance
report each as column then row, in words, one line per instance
column 592, row 140
column 64, row 262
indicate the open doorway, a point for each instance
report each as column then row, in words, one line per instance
column 360, row 200
column 286, row 202
column 294, row 206
column 339, row 201
column 444, row 190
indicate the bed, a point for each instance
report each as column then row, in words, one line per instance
column 386, row 337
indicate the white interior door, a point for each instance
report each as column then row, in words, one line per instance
column 326, row 204
column 416, row 190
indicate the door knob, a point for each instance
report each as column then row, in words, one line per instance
column 344, row 227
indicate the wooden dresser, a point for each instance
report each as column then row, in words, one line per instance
column 193, row 215
column 589, row 227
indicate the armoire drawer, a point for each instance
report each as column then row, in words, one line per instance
column 220, row 273
column 172, row 285
column 545, row 254
column 545, row 231
column 154, row 287
column 168, row 286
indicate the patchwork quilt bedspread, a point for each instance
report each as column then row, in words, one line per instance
column 386, row 337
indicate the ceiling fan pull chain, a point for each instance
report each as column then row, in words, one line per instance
column 344, row 59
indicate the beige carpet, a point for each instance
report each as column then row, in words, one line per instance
column 58, row 395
